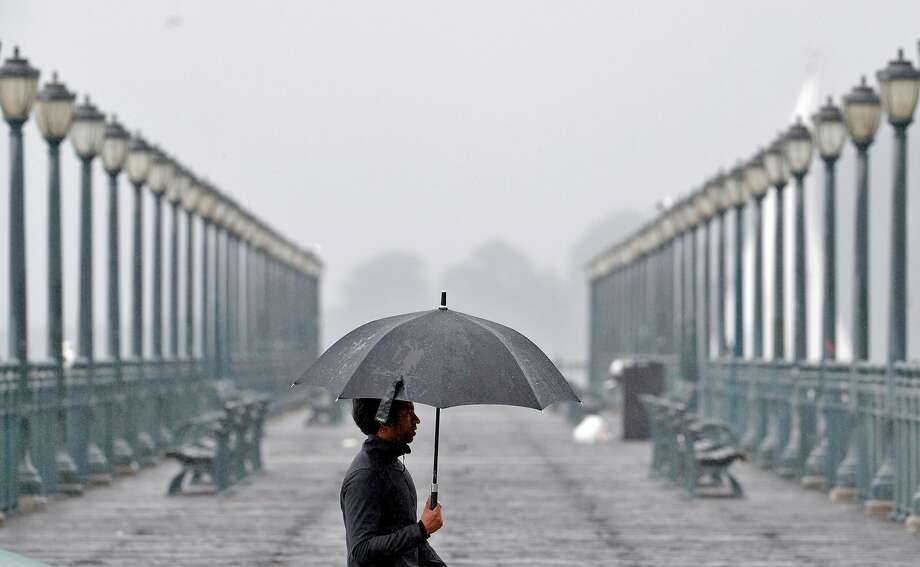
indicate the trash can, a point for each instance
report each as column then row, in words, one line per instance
column 637, row 377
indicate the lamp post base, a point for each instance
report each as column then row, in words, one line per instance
column 842, row 494
column 123, row 458
column 813, row 482
column 913, row 524
column 98, row 468
column 879, row 508
column 68, row 478
column 32, row 503
column 146, row 450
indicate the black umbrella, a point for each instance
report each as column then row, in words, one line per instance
column 441, row 358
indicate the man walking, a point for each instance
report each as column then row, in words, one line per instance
column 378, row 496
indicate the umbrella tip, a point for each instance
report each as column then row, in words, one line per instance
column 443, row 300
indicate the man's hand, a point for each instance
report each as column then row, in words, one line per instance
column 431, row 519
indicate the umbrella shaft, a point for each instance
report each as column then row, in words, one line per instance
column 434, row 476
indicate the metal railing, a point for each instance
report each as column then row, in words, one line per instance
column 851, row 428
column 247, row 309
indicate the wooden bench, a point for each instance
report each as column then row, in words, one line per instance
column 692, row 451
column 220, row 448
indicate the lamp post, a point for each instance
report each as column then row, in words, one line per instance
column 86, row 135
column 177, row 188
column 899, row 84
column 692, row 218
column 138, row 166
column 114, row 154
column 18, row 89
column 220, row 281
column 734, row 187
column 230, row 290
column 798, row 148
column 705, row 207
column 162, row 171
column 720, row 197
column 757, row 182
column 161, row 177
column 830, row 135
column 54, row 115
column 778, row 173
column 189, row 203
column 206, row 204
column 862, row 112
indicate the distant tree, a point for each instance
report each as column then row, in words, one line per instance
column 388, row 284
column 499, row 283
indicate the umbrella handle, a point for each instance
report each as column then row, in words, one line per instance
column 434, row 496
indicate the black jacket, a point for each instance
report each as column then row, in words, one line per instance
column 379, row 507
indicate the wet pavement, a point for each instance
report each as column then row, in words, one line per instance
column 515, row 489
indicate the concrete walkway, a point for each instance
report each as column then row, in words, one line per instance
column 515, row 489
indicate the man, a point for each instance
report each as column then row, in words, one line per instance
column 378, row 496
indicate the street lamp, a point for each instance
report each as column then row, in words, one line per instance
column 138, row 165
column 176, row 189
column 778, row 171
column 162, row 171
column 54, row 115
column 899, row 86
column 737, row 195
column 205, row 207
column 691, row 216
column 862, row 111
column 719, row 196
column 114, row 155
column 189, row 203
column 706, row 208
column 757, row 182
column 18, row 88
column 140, row 158
column 86, row 136
column 830, row 135
column 798, row 147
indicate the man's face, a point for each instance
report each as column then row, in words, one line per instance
column 405, row 422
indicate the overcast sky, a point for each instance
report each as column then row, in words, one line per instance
column 430, row 127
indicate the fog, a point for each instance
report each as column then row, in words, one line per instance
column 488, row 148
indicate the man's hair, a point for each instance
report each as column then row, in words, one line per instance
column 364, row 412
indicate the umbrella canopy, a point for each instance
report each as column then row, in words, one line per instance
column 443, row 358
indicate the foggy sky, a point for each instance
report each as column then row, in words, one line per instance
column 432, row 127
